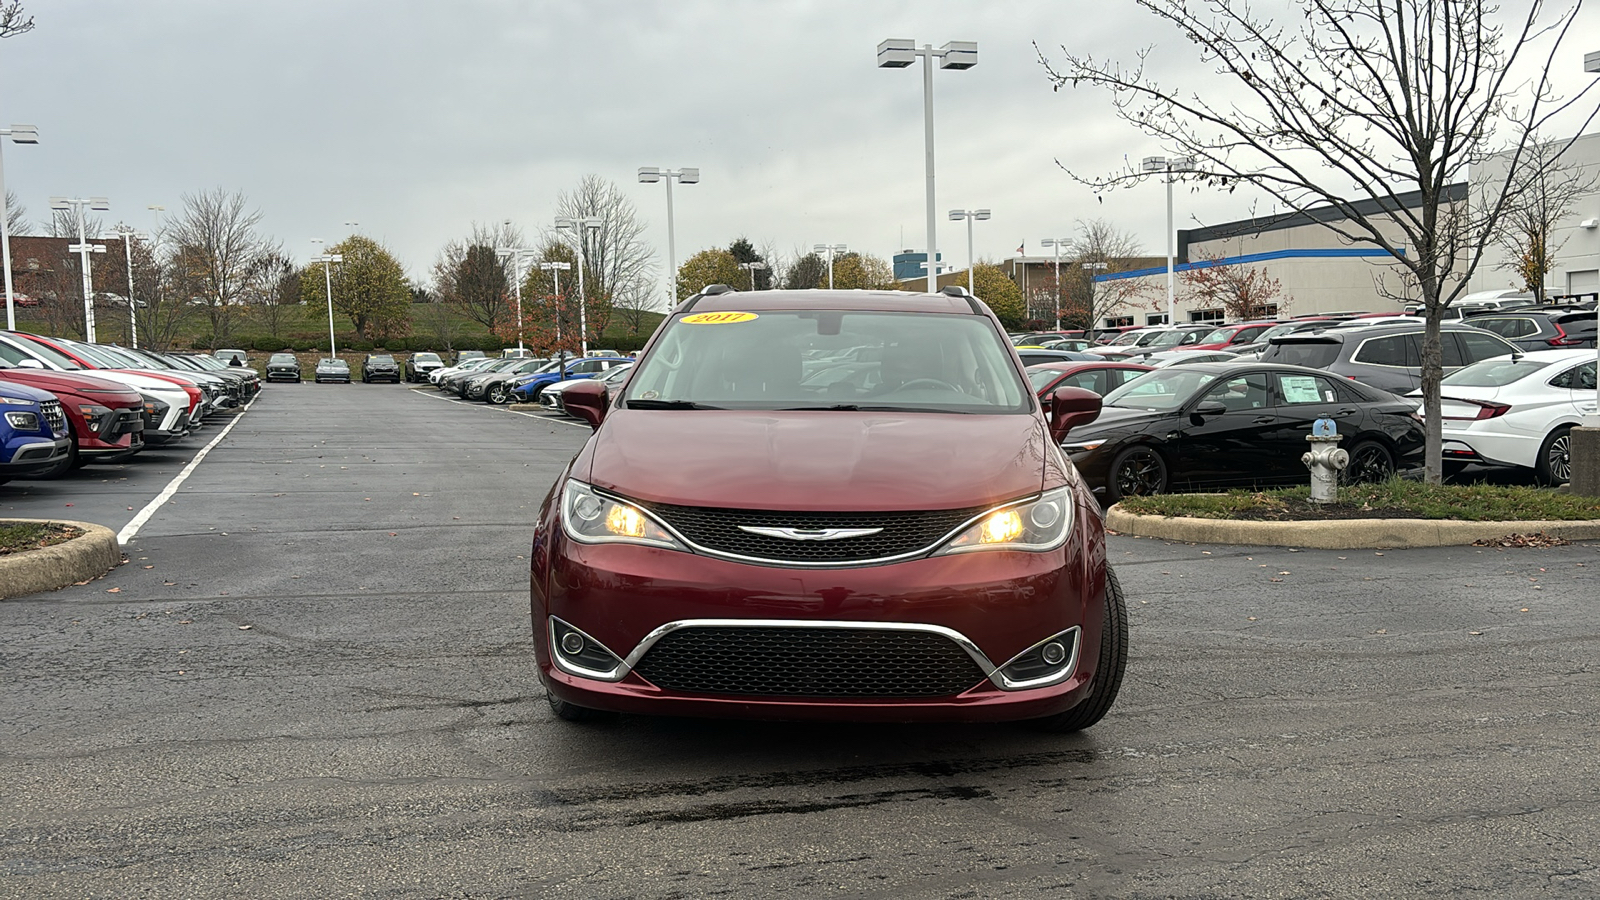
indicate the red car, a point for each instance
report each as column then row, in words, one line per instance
column 1097, row 377
column 1237, row 334
column 106, row 419
column 732, row 543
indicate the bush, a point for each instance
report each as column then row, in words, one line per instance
column 269, row 344
column 469, row 342
column 305, row 346
column 200, row 343
column 360, row 346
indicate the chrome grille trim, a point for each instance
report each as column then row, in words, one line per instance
column 54, row 415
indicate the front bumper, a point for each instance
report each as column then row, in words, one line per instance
column 996, row 606
column 27, row 454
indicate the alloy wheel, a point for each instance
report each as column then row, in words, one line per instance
column 1140, row 473
column 1558, row 459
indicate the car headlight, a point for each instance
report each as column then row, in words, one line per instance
column 18, row 401
column 23, row 421
column 1038, row 524
column 93, row 415
column 1082, row 446
column 595, row 519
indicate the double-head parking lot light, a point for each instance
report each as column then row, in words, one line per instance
column 981, row 215
column 84, row 249
column 327, row 260
column 651, row 175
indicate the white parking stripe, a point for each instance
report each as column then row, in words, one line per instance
column 132, row 528
column 515, row 412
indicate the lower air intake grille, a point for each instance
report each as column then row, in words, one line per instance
column 809, row 662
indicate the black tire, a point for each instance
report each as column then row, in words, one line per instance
column 1370, row 463
column 1554, row 465
column 1137, row 471
column 1107, row 672
column 572, row 712
column 497, row 394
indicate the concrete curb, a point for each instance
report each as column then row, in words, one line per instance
column 80, row 559
column 1342, row 534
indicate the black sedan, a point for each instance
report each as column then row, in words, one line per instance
column 283, row 367
column 1230, row 424
column 379, row 367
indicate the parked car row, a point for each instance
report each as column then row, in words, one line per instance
column 516, row 379
column 68, row 403
column 374, row 367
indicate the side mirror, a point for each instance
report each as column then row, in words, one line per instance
column 1071, row 407
column 588, row 401
column 1208, row 408
column 30, row 363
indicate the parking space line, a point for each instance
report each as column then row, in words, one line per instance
column 515, row 412
column 132, row 528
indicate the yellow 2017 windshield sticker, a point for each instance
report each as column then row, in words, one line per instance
column 718, row 318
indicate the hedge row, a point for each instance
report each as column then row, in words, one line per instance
column 302, row 344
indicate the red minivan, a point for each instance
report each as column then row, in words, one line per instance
column 738, row 538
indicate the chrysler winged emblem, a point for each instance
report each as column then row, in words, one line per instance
column 810, row 534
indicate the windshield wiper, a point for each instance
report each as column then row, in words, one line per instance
column 636, row 403
column 856, row 407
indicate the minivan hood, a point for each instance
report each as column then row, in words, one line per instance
column 816, row 461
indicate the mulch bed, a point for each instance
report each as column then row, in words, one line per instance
column 1307, row 512
column 17, row 537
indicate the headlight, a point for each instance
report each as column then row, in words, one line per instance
column 23, row 421
column 93, row 415
column 1082, row 446
column 17, row 401
column 594, row 518
column 1038, row 524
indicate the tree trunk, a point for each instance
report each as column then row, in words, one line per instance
column 1432, row 374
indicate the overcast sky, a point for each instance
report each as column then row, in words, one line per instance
column 416, row 119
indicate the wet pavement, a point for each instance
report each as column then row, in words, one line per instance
column 314, row 678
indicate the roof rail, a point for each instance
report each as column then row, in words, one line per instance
column 710, row 290
column 956, row 290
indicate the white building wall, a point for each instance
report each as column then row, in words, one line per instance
column 1576, row 248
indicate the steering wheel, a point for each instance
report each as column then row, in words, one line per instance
column 926, row 381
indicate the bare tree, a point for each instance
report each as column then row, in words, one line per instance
column 1384, row 101
column 16, row 215
column 216, row 256
column 471, row 277
column 13, row 21
column 166, row 314
column 276, row 284
column 618, row 264
column 1099, row 249
column 1547, row 191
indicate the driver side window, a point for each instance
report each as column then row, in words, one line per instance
column 1242, row 392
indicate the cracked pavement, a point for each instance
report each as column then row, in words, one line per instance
column 323, row 686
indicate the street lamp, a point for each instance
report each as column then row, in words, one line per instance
column 327, row 260
column 515, row 255
column 83, row 248
column 127, row 235
column 898, row 53
column 1055, row 245
column 555, row 269
column 581, row 227
column 982, row 215
column 751, row 267
column 1170, row 167
column 829, row 250
column 651, row 175
column 22, row 134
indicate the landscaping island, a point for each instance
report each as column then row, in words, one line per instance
column 1395, row 513
column 41, row 555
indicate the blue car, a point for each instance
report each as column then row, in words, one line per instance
column 529, row 386
column 33, row 431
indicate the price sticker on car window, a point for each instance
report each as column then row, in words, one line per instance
column 718, row 318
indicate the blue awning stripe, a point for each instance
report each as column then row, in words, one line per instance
column 1311, row 253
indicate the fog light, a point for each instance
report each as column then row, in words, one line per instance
column 572, row 643
column 1053, row 653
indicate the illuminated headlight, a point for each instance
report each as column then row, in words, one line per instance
column 594, row 518
column 23, row 421
column 1082, row 446
column 17, row 401
column 1038, row 524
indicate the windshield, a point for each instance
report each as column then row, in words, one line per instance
column 425, row 357
column 1040, row 377
column 1165, row 339
column 1219, row 336
column 1314, row 354
column 334, row 363
column 381, row 360
column 1161, row 390
column 95, row 355
column 281, row 358
column 51, row 356
column 921, row 362
column 1127, row 338
column 1497, row 372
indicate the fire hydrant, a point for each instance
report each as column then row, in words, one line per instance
column 1325, row 460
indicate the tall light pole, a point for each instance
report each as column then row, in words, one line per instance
column 829, row 250
column 1591, row 64
column 515, row 255
column 327, row 260
column 555, row 269
column 22, row 134
column 83, row 248
column 127, row 235
column 981, row 215
column 651, row 175
column 1056, row 244
column 581, row 228
column 751, row 267
column 1171, row 167
column 898, row 53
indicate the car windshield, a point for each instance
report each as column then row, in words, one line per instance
column 95, row 355
column 381, row 360
column 334, row 364
column 1161, row 390
column 425, row 357
column 1497, row 372
column 1218, row 336
column 281, row 358
column 1127, row 338
column 1313, row 353
column 1040, row 377
column 51, row 357
column 917, row 362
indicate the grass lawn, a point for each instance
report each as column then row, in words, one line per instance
column 16, row 537
column 1393, row 499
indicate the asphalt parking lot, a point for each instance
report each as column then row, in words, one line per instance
column 314, row 678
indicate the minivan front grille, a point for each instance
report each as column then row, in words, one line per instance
column 809, row 662
column 899, row 533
